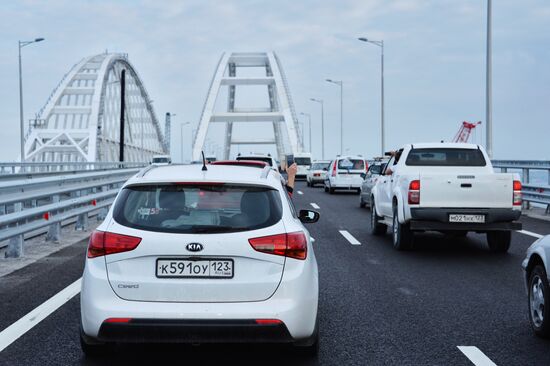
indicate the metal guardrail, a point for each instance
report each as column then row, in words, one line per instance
column 10, row 168
column 531, row 193
column 45, row 202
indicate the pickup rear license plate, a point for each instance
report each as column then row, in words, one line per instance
column 467, row 218
column 185, row 268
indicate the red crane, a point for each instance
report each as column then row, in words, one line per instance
column 465, row 130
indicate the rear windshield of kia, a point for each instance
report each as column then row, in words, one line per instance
column 445, row 157
column 351, row 164
column 198, row 208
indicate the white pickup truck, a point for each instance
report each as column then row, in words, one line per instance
column 446, row 187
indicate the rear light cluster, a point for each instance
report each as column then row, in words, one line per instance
column 517, row 193
column 292, row 245
column 414, row 192
column 334, row 169
column 105, row 243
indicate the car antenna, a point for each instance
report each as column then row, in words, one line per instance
column 204, row 168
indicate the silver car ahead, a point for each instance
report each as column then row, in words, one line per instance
column 369, row 181
column 535, row 267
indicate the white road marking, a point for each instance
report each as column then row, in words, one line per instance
column 300, row 192
column 475, row 355
column 314, row 205
column 349, row 237
column 26, row 323
column 530, row 233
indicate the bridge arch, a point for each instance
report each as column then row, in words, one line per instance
column 80, row 122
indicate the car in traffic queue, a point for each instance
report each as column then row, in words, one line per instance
column 535, row 271
column 161, row 160
column 259, row 157
column 201, row 254
column 317, row 173
column 445, row 187
column 369, row 180
column 303, row 164
column 345, row 173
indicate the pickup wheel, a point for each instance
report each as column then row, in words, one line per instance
column 376, row 228
column 326, row 188
column 331, row 190
column 499, row 241
column 538, row 297
column 402, row 235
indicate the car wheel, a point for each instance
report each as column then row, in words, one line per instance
column 308, row 183
column 362, row 203
column 326, row 188
column 92, row 348
column 331, row 190
column 402, row 235
column 538, row 297
column 499, row 241
column 376, row 228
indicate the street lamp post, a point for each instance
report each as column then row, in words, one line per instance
column 320, row 101
column 21, row 124
column 181, row 135
column 488, row 85
column 309, row 124
column 381, row 45
column 341, row 84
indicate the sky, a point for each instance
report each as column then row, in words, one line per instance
column 434, row 63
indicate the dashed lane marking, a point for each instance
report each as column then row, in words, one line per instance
column 475, row 355
column 300, row 192
column 314, row 205
column 349, row 237
column 530, row 233
column 41, row 312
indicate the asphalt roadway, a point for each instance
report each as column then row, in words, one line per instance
column 377, row 306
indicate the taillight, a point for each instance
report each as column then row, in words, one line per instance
column 118, row 320
column 268, row 321
column 105, row 243
column 334, row 169
column 292, row 245
column 517, row 193
column 414, row 192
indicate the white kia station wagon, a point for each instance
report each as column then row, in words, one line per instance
column 201, row 256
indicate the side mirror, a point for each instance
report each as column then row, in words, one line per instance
column 363, row 175
column 309, row 216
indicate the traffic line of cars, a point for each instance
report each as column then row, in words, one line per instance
column 445, row 187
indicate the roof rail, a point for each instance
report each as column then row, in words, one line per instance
column 265, row 172
column 145, row 170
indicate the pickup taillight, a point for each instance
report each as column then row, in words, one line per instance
column 516, row 198
column 414, row 192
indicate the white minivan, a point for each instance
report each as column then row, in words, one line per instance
column 346, row 173
column 303, row 161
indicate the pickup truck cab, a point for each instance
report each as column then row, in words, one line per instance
column 446, row 187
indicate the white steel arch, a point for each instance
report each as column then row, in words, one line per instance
column 81, row 120
column 280, row 114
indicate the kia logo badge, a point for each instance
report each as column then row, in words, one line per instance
column 194, row 247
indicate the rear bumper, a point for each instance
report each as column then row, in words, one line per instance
column 438, row 219
column 193, row 331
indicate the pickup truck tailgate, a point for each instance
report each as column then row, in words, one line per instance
column 468, row 191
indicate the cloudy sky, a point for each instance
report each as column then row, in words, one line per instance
column 435, row 62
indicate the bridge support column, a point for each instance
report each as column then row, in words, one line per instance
column 15, row 245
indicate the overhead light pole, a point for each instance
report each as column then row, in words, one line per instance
column 21, row 124
column 320, row 101
column 309, row 124
column 382, row 126
column 489, row 84
column 181, row 135
column 341, row 84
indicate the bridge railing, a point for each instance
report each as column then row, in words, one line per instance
column 532, row 192
column 42, row 204
column 14, row 170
